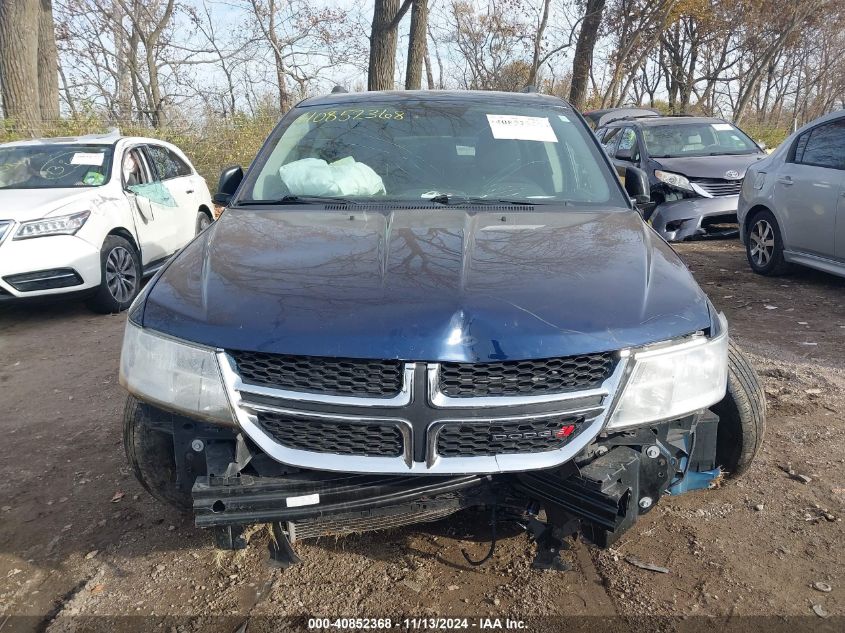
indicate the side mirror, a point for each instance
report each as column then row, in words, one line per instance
column 230, row 180
column 635, row 181
column 762, row 145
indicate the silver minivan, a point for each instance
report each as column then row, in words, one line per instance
column 792, row 203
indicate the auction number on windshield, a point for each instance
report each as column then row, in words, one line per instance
column 327, row 116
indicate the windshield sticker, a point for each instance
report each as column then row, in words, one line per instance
column 722, row 127
column 521, row 128
column 563, row 118
column 464, row 150
column 93, row 179
column 329, row 116
column 93, row 159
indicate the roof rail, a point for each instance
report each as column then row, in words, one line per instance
column 338, row 90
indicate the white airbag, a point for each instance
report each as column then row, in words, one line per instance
column 345, row 177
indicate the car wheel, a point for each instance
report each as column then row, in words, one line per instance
column 203, row 221
column 120, row 274
column 150, row 453
column 742, row 416
column 764, row 246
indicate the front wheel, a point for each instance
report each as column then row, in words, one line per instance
column 742, row 416
column 764, row 246
column 120, row 276
column 203, row 222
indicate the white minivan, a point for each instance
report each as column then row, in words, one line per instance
column 94, row 213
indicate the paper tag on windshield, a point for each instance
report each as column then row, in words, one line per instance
column 94, row 159
column 521, row 128
column 722, row 127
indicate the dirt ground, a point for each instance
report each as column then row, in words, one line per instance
column 79, row 537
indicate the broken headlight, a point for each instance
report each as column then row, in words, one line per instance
column 176, row 375
column 676, row 380
column 673, row 180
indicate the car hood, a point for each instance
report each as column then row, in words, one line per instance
column 710, row 166
column 427, row 285
column 32, row 204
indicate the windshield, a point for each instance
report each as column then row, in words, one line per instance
column 677, row 140
column 47, row 166
column 436, row 151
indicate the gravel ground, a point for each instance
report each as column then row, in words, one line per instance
column 80, row 539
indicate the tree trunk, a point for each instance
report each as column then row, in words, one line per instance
column 538, row 45
column 386, row 17
column 19, row 62
column 48, row 64
column 583, row 58
column 417, row 45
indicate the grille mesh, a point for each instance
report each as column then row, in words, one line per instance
column 525, row 378
column 719, row 187
column 314, row 374
column 479, row 439
column 372, row 439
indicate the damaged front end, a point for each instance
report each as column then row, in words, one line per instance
column 231, row 484
column 694, row 208
column 618, row 431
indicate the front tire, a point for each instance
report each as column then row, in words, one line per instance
column 742, row 416
column 203, row 221
column 120, row 276
column 150, row 453
column 764, row 246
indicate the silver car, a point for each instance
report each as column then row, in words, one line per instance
column 792, row 204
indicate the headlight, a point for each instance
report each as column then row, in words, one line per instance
column 178, row 376
column 674, row 381
column 673, row 180
column 60, row 225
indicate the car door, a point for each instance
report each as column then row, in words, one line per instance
column 179, row 179
column 808, row 189
column 148, row 214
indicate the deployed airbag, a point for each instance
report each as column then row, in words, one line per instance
column 344, row 177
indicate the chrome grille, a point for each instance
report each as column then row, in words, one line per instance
column 372, row 439
column 524, row 378
column 315, row 374
column 502, row 437
column 719, row 186
column 421, row 430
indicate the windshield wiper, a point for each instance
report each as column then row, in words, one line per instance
column 445, row 198
column 291, row 199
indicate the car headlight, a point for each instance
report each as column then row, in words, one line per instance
column 60, row 225
column 673, row 180
column 674, row 381
column 178, row 376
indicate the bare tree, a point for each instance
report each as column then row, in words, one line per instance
column 387, row 14
column 19, row 21
column 417, row 46
column 583, row 58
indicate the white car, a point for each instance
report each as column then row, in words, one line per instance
column 94, row 213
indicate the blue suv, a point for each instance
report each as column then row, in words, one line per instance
column 419, row 302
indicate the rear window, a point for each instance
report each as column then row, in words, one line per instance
column 414, row 151
column 677, row 140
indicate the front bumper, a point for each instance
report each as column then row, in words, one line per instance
column 692, row 218
column 51, row 265
column 606, row 487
